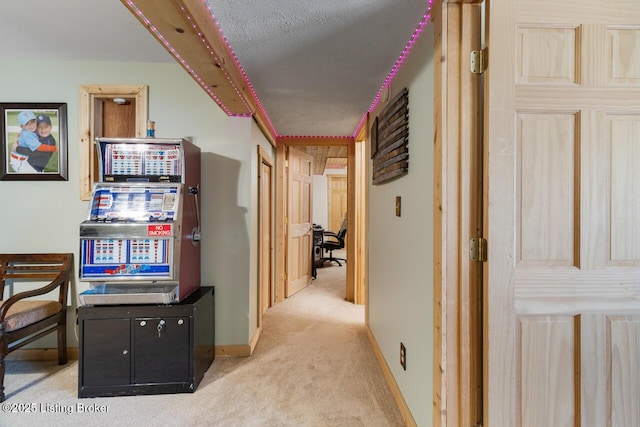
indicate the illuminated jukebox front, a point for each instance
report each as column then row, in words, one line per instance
column 140, row 242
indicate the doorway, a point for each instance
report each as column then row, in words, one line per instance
column 107, row 110
column 356, row 210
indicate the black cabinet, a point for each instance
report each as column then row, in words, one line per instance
column 146, row 349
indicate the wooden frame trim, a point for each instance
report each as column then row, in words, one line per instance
column 304, row 141
column 88, row 94
column 456, row 211
column 360, row 228
column 264, row 158
column 280, row 215
column 444, row 325
column 350, row 294
column 199, row 47
column 354, row 284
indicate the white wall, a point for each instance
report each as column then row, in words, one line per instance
column 400, row 292
column 45, row 216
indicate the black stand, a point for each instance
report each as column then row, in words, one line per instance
column 316, row 253
column 145, row 349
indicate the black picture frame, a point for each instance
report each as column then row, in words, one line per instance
column 19, row 161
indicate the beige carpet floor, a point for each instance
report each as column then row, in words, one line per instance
column 313, row 366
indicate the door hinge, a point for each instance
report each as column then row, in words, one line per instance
column 478, row 249
column 479, row 61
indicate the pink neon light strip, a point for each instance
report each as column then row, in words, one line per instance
column 187, row 66
column 396, row 67
column 244, row 74
column 387, row 82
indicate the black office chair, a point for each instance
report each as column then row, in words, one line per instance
column 334, row 241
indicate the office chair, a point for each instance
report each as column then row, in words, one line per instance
column 334, row 241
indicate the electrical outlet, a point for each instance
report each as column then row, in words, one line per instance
column 403, row 356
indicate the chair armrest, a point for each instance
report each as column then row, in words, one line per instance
column 58, row 282
column 332, row 239
column 55, row 269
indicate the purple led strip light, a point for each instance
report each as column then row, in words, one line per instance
column 187, row 66
column 244, row 75
column 396, row 67
column 217, row 61
column 387, row 82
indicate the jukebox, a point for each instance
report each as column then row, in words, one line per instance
column 146, row 326
column 140, row 242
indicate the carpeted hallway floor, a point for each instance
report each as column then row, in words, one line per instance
column 313, row 366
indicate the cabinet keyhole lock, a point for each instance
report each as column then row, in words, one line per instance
column 160, row 326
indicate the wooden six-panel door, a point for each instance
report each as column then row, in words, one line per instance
column 562, row 282
column 299, row 228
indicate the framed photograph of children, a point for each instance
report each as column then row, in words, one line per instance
column 33, row 141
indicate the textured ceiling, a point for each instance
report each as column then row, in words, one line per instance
column 316, row 66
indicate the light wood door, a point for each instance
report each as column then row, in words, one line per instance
column 300, row 234
column 265, row 227
column 336, row 201
column 562, row 282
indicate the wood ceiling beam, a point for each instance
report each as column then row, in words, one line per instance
column 305, row 141
column 188, row 31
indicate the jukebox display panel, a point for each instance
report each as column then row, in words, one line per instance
column 126, row 161
column 140, row 242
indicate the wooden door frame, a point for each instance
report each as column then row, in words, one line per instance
column 281, row 214
column 355, row 279
column 264, row 158
column 358, row 167
column 88, row 95
column 456, row 214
